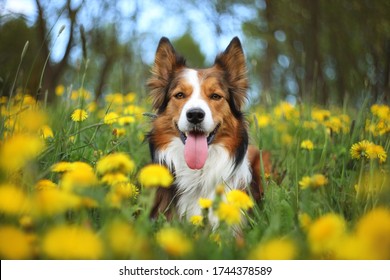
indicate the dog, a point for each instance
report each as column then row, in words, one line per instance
column 200, row 132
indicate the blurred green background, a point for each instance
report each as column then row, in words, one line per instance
column 328, row 52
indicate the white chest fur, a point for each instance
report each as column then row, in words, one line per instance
column 194, row 184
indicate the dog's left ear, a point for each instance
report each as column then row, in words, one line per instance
column 232, row 62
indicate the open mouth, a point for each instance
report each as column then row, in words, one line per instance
column 196, row 146
column 210, row 137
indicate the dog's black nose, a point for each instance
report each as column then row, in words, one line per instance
column 195, row 115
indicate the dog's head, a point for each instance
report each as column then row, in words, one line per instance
column 202, row 107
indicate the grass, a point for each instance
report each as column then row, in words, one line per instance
column 82, row 212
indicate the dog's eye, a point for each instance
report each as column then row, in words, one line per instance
column 215, row 96
column 179, row 95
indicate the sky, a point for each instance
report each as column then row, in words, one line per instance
column 153, row 20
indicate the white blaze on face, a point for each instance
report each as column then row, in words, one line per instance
column 195, row 101
column 196, row 147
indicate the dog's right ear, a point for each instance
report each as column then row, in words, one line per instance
column 166, row 62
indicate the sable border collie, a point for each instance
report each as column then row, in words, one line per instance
column 200, row 132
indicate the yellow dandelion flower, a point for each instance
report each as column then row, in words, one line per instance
column 326, row 233
column 62, row 166
column 72, row 242
column 13, row 201
column 360, row 150
column 46, row 132
column 49, row 202
column 286, row 139
column 126, row 120
column 310, row 124
column 377, row 151
column 353, row 248
column 114, row 178
column 118, row 132
column 155, row 175
column 111, row 118
column 197, row 220
column 320, row 115
column 229, row 213
column 263, row 120
column 26, row 221
column 275, row 249
column 126, row 190
column 18, row 150
column 205, row 203
column 304, row 221
column 15, row 244
column 81, row 175
column 59, row 90
column 130, row 97
column 173, row 242
column 91, row 107
column 45, row 184
column 374, row 229
column 285, row 110
column 307, row 145
column 125, row 242
column 79, row 115
column 32, row 120
column 315, row 181
column 240, row 199
column 116, row 162
column 380, row 110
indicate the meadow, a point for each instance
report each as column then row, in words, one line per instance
column 76, row 183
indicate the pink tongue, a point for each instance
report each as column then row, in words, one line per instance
column 195, row 150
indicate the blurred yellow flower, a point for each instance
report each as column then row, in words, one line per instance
column 197, row 220
column 325, row 234
column 205, row 203
column 116, row 162
column 48, row 202
column 114, row 178
column 62, row 166
column 15, row 244
column 285, row 110
column 81, row 175
column 125, row 190
column 124, row 242
column 59, row 90
column 155, row 175
column 377, row 151
column 111, row 118
column 173, row 242
column 13, row 201
column 126, row 120
column 240, row 199
column 79, row 115
column 72, row 242
column 31, row 120
column 263, row 120
column 275, row 249
column 315, row 181
column 130, row 97
column 320, row 115
column 307, row 145
column 46, row 132
column 304, row 221
column 45, row 184
column 374, row 229
column 18, row 150
column 382, row 111
column 81, row 93
column 229, row 213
